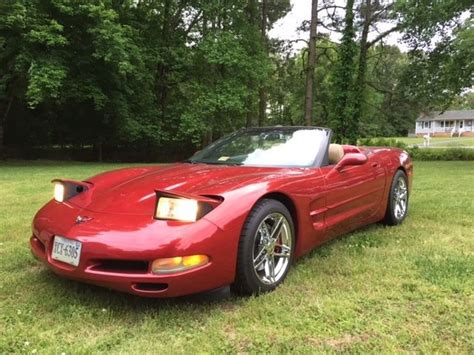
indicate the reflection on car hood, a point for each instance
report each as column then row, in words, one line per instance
column 132, row 191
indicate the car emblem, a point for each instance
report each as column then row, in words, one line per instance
column 83, row 219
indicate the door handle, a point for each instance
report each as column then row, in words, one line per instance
column 375, row 165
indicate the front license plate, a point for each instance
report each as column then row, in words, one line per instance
column 66, row 250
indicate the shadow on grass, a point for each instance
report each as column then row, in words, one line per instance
column 356, row 241
column 98, row 297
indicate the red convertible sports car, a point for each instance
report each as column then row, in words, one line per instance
column 238, row 212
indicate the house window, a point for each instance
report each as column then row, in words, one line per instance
column 469, row 123
column 461, row 124
column 425, row 125
column 446, row 124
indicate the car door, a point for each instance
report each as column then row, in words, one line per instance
column 353, row 195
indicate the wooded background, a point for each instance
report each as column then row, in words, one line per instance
column 155, row 79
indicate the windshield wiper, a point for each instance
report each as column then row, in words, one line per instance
column 190, row 161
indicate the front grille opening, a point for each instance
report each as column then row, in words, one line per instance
column 122, row 266
column 150, row 287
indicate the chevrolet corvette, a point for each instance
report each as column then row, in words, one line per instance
column 237, row 213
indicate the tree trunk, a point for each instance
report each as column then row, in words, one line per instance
column 100, row 152
column 249, row 114
column 262, row 106
column 362, row 66
column 3, row 120
column 162, row 70
column 262, row 92
column 308, row 106
column 207, row 137
column 252, row 16
column 1, row 135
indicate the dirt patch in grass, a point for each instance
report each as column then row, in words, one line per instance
column 340, row 343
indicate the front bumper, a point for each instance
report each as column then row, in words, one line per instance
column 117, row 251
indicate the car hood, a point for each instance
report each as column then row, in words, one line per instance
column 132, row 191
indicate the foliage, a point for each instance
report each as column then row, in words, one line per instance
column 167, row 74
column 142, row 73
column 80, row 62
column 463, row 102
column 287, row 94
column 382, row 142
column 442, row 48
column 345, row 129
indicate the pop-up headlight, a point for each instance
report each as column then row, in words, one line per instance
column 65, row 189
column 184, row 207
column 59, row 191
column 180, row 209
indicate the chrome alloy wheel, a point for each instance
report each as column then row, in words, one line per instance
column 272, row 248
column 400, row 197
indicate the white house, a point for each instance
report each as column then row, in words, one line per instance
column 447, row 123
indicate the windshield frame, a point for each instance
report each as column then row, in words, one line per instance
column 320, row 159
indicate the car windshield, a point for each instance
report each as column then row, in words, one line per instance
column 276, row 147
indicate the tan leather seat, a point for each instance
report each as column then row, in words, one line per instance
column 335, row 153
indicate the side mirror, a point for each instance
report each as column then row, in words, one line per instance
column 351, row 159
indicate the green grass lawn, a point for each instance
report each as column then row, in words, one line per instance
column 405, row 288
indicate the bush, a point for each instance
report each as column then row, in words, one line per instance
column 382, row 142
column 441, row 153
column 422, row 153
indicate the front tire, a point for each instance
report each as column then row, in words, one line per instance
column 265, row 249
column 397, row 206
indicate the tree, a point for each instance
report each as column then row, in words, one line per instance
column 81, row 63
column 308, row 108
column 131, row 73
column 166, row 75
column 252, row 15
column 12, row 78
column 387, row 111
column 464, row 101
column 343, row 83
column 441, row 50
column 229, row 65
column 371, row 12
column 262, row 108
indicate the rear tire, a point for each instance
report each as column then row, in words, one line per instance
column 265, row 249
column 397, row 205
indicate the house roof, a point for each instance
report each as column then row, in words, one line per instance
column 447, row 115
